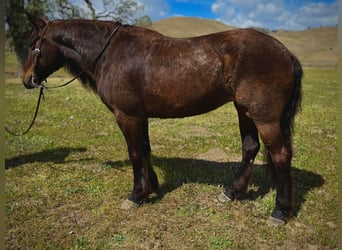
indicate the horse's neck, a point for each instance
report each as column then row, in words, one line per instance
column 80, row 44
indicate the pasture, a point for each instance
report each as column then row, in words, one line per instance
column 66, row 179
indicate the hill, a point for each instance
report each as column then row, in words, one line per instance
column 314, row 47
column 188, row 26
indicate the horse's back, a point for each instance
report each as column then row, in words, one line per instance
column 170, row 77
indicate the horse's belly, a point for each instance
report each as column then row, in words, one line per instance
column 180, row 81
column 185, row 104
column 185, row 87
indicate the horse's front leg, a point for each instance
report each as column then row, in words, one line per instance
column 145, row 179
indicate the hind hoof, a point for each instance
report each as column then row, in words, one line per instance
column 277, row 218
column 128, row 205
column 276, row 222
column 224, row 198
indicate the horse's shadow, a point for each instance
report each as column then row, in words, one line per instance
column 177, row 171
column 56, row 156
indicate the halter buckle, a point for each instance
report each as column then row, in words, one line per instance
column 36, row 51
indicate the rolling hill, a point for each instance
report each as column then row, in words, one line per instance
column 188, row 26
column 314, row 47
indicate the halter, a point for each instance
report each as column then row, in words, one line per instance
column 37, row 54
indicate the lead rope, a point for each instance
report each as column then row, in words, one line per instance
column 41, row 94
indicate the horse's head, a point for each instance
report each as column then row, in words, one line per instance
column 43, row 57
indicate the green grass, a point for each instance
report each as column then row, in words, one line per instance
column 66, row 179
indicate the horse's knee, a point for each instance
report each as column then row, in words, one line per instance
column 135, row 157
column 282, row 160
column 250, row 148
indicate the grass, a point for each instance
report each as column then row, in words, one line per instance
column 66, row 179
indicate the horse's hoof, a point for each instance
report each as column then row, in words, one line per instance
column 278, row 217
column 128, row 204
column 273, row 221
column 224, row 198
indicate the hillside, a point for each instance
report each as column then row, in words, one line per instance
column 314, row 47
column 188, row 26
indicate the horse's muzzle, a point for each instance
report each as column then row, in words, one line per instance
column 31, row 83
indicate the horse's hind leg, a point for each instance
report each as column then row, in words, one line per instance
column 250, row 148
column 280, row 152
column 145, row 181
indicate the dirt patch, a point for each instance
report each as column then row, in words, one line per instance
column 215, row 154
column 195, row 131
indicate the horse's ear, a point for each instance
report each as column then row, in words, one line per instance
column 37, row 22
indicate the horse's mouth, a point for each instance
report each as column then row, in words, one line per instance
column 31, row 83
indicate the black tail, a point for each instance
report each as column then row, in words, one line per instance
column 291, row 109
column 294, row 102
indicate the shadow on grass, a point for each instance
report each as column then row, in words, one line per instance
column 177, row 171
column 57, row 156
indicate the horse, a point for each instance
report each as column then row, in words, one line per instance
column 140, row 73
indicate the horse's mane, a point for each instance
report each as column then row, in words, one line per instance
column 85, row 37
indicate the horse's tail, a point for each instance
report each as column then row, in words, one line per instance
column 292, row 107
column 294, row 102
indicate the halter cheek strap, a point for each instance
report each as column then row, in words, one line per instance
column 36, row 53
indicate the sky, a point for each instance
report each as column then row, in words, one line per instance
column 270, row 14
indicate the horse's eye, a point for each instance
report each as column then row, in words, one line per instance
column 33, row 41
column 36, row 51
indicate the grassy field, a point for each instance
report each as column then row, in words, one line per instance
column 66, row 179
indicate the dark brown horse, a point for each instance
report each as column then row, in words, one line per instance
column 139, row 73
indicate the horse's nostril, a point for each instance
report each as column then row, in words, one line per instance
column 28, row 83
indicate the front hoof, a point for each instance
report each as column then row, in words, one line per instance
column 277, row 218
column 128, row 205
column 131, row 202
